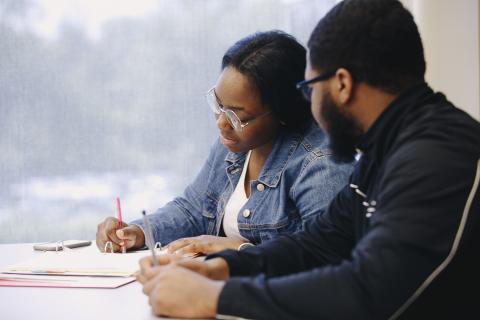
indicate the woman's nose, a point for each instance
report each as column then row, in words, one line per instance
column 222, row 122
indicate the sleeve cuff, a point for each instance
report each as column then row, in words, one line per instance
column 234, row 261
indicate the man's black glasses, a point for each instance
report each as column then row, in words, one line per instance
column 304, row 86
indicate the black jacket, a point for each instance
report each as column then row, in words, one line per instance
column 402, row 240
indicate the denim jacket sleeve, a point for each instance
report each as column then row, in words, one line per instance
column 182, row 217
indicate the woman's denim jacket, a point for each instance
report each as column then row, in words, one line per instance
column 297, row 182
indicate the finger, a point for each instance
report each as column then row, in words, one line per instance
column 146, row 275
column 187, row 262
column 115, row 246
column 148, row 287
column 151, row 273
column 158, row 305
column 145, row 264
column 102, row 240
column 193, row 265
column 140, row 278
column 127, row 236
column 129, row 233
column 167, row 258
column 111, row 226
column 194, row 247
column 156, row 302
column 177, row 244
column 101, row 237
column 150, row 284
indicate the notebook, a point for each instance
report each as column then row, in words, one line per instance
column 86, row 262
column 20, row 280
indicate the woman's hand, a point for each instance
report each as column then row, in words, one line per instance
column 120, row 234
column 205, row 244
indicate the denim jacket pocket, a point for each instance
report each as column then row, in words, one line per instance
column 209, row 211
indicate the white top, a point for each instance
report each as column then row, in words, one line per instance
column 235, row 203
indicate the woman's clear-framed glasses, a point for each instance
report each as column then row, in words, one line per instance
column 232, row 117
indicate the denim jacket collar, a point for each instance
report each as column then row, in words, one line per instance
column 283, row 148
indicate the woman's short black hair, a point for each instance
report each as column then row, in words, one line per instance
column 376, row 40
column 274, row 62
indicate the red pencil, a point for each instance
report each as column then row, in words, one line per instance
column 119, row 212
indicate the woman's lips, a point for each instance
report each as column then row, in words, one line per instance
column 227, row 141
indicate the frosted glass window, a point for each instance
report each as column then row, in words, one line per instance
column 100, row 99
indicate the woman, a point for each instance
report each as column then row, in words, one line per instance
column 269, row 172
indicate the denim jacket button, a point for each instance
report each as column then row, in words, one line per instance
column 246, row 213
column 260, row 187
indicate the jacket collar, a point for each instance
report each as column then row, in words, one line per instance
column 283, row 148
column 378, row 140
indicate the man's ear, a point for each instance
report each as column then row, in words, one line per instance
column 343, row 86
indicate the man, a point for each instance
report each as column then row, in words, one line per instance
column 402, row 239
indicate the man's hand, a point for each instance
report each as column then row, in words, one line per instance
column 176, row 291
column 148, row 272
column 121, row 235
column 215, row 269
column 203, row 244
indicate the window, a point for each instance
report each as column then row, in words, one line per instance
column 100, row 99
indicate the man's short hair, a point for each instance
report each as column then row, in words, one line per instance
column 376, row 40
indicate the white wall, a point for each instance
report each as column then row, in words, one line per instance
column 450, row 34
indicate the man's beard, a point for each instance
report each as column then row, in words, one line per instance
column 342, row 130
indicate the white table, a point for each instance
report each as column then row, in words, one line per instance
column 126, row 302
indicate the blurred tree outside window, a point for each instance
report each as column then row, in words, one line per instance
column 100, row 99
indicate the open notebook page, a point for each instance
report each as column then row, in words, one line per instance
column 89, row 262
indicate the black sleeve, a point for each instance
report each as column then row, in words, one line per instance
column 421, row 210
column 326, row 239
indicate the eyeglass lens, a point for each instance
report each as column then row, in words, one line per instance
column 218, row 110
column 307, row 92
